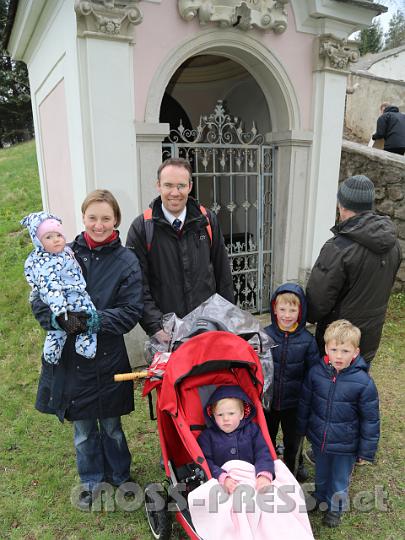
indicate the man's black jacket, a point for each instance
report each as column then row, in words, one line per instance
column 391, row 128
column 179, row 271
column 353, row 276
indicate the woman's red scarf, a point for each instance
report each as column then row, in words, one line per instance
column 93, row 244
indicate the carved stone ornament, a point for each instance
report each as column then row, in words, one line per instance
column 335, row 53
column 107, row 19
column 242, row 14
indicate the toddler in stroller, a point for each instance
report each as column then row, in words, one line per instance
column 184, row 387
column 231, row 434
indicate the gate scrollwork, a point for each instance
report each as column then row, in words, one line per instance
column 217, row 128
column 233, row 176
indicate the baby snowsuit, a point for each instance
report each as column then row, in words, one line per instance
column 58, row 280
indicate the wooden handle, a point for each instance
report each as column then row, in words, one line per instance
column 130, row 376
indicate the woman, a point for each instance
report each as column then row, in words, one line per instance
column 83, row 390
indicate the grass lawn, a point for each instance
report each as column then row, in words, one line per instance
column 37, row 461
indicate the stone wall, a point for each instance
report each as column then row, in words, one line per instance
column 387, row 171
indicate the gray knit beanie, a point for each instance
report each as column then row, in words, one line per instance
column 356, row 193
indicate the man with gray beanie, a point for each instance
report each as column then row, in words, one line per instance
column 355, row 270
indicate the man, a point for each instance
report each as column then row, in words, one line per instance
column 182, row 266
column 391, row 128
column 354, row 273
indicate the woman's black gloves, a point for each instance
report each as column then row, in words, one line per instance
column 75, row 323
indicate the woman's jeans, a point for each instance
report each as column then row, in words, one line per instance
column 101, row 451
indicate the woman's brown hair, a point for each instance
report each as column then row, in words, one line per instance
column 103, row 195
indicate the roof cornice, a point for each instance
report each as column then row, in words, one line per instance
column 21, row 25
column 338, row 17
column 379, row 8
column 12, row 8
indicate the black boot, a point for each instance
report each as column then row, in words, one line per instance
column 332, row 519
column 302, row 473
column 85, row 501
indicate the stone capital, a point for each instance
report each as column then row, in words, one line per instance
column 242, row 14
column 332, row 53
column 107, row 19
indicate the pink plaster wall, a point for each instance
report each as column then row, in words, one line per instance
column 57, row 168
column 163, row 29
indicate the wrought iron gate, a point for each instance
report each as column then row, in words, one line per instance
column 233, row 176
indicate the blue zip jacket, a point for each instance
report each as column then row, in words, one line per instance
column 296, row 352
column 339, row 412
column 245, row 443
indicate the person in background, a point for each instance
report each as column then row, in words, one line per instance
column 339, row 413
column 83, row 390
column 391, row 128
column 354, row 273
column 184, row 261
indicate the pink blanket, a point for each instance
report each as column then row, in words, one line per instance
column 279, row 514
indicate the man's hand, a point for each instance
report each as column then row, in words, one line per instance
column 230, row 485
column 162, row 337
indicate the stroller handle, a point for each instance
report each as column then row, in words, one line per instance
column 119, row 377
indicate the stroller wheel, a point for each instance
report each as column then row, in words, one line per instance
column 156, row 512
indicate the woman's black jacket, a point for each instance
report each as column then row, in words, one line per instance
column 79, row 388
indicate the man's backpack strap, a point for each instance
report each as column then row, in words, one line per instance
column 209, row 228
column 148, row 223
column 149, row 226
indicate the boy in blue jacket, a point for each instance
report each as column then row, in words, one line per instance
column 296, row 352
column 339, row 414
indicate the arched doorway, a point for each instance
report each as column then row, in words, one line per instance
column 233, row 167
column 258, row 76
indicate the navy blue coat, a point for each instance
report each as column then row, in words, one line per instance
column 338, row 412
column 79, row 388
column 245, row 443
column 296, row 352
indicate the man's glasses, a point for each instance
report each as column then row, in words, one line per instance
column 169, row 187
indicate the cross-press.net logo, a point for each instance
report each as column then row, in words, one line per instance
column 130, row 496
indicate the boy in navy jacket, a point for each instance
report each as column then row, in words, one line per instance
column 295, row 354
column 339, row 414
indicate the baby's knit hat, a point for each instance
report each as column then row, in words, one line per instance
column 356, row 193
column 50, row 225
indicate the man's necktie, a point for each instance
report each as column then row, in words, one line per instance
column 177, row 225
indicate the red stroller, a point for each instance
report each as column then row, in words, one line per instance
column 192, row 373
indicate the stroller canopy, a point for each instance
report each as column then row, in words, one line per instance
column 206, row 353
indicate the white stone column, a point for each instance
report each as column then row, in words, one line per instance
column 107, row 101
column 149, row 139
column 332, row 56
column 105, row 58
column 290, row 191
